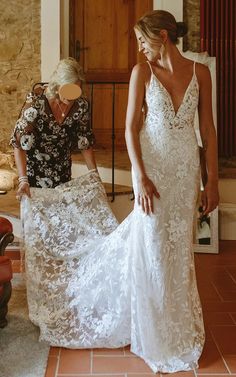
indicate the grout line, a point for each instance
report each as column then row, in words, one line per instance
column 234, row 321
column 234, row 280
column 221, row 298
column 118, row 356
column 91, row 361
column 140, row 373
column 93, row 375
column 219, row 351
column 58, row 361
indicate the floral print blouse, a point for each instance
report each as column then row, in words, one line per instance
column 47, row 143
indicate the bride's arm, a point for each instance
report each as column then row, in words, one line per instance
column 210, row 197
column 146, row 188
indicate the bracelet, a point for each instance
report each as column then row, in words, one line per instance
column 24, row 178
column 23, row 182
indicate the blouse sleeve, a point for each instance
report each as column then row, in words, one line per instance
column 84, row 131
column 22, row 135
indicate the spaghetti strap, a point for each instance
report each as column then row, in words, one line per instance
column 194, row 71
column 150, row 66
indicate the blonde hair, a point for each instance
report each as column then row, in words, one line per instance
column 68, row 71
column 153, row 22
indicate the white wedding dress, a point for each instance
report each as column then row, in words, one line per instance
column 94, row 283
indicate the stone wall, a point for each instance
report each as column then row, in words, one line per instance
column 19, row 59
column 191, row 16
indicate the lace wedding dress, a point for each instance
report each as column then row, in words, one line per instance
column 94, row 283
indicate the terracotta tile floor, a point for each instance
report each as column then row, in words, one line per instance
column 216, row 276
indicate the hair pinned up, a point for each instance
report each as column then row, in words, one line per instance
column 181, row 29
column 153, row 22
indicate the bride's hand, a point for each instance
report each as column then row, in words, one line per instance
column 146, row 191
column 210, row 197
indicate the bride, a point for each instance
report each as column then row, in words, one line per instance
column 94, row 283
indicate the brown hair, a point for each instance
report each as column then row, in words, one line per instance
column 153, row 22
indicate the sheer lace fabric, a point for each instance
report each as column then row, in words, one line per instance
column 94, row 283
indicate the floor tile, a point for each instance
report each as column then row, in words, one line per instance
column 54, row 351
column 51, row 366
column 179, row 374
column 214, row 375
column 232, row 271
column 231, row 363
column 215, row 306
column 107, row 351
column 93, row 375
column 211, row 360
column 74, row 361
column 142, row 374
column 208, row 292
column 228, row 295
column 118, row 364
column 222, row 279
column 233, row 315
column 224, row 282
column 225, row 337
column 218, row 318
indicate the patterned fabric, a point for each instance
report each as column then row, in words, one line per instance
column 92, row 283
column 47, row 143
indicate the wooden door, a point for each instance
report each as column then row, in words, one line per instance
column 103, row 41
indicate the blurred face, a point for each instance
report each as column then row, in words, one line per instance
column 151, row 51
column 68, row 92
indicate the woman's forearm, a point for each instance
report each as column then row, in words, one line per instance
column 20, row 158
column 89, row 158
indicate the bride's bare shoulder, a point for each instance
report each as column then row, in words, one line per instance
column 203, row 73
column 142, row 71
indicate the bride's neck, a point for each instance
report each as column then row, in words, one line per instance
column 171, row 58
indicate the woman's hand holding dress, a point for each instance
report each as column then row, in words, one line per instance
column 23, row 189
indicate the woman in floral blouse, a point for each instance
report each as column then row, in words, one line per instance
column 48, row 129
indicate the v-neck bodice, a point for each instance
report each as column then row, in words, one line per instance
column 168, row 94
column 169, row 131
column 159, row 101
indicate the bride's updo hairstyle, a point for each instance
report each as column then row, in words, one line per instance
column 153, row 22
column 68, row 71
